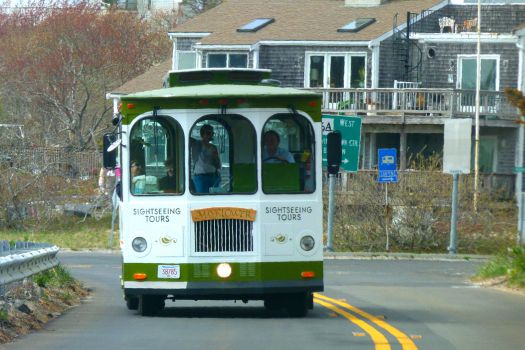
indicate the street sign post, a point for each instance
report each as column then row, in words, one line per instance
column 350, row 129
column 457, row 146
column 387, row 165
column 456, row 160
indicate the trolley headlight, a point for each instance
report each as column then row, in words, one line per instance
column 139, row 244
column 307, row 243
column 224, row 270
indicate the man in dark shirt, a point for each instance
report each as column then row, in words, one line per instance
column 168, row 183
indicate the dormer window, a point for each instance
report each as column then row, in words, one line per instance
column 357, row 25
column 256, row 24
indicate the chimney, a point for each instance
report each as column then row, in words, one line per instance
column 364, row 3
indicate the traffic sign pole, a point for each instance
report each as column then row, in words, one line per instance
column 452, row 248
column 331, row 191
column 387, row 172
column 386, row 219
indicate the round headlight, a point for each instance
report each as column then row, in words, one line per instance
column 139, row 244
column 224, row 270
column 307, row 243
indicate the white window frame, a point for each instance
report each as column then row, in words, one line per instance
column 228, row 57
column 459, row 66
column 327, row 55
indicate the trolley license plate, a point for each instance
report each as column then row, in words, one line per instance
column 168, row 271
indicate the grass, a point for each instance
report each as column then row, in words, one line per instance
column 510, row 265
column 57, row 277
column 69, row 232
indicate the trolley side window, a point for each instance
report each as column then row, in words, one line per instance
column 157, row 157
column 223, row 155
column 287, row 155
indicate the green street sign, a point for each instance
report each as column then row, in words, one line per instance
column 519, row 169
column 350, row 129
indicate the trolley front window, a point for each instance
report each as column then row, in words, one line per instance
column 222, row 155
column 287, row 149
column 157, row 157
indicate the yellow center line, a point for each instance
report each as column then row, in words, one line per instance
column 380, row 341
column 402, row 338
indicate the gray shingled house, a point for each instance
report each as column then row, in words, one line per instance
column 405, row 66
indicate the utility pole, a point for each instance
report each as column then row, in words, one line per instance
column 478, row 87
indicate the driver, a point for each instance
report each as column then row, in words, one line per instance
column 271, row 152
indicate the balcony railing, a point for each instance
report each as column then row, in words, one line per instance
column 417, row 102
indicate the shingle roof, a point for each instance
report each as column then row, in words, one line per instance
column 296, row 20
column 150, row 80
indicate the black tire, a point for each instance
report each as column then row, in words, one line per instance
column 273, row 304
column 132, row 302
column 150, row 305
column 298, row 304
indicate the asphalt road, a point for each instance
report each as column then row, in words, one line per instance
column 367, row 304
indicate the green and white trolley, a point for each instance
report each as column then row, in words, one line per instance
column 255, row 232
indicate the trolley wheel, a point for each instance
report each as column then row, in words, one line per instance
column 132, row 302
column 150, row 305
column 298, row 304
column 273, row 303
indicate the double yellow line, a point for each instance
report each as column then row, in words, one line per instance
column 380, row 341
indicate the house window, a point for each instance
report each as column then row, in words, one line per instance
column 489, row 73
column 335, row 70
column 227, row 60
column 186, row 60
column 466, row 82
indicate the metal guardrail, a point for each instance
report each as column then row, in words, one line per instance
column 9, row 248
column 25, row 259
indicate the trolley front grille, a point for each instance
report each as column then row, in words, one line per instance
column 223, row 235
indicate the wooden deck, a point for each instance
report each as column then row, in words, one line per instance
column 419, row 106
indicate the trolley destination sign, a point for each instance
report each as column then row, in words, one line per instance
column 350, row 129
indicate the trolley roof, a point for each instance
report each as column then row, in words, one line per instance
column 221, row 88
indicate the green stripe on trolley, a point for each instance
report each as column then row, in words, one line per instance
column 241, row 272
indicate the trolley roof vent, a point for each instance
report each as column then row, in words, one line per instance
column 217, row 76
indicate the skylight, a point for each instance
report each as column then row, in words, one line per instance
column 357, row 25
column 256, row 24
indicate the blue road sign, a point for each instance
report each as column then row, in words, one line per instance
column 387, row 164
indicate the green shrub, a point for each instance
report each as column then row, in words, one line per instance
column 496, row 267
column 56, row 277
column 511, row 265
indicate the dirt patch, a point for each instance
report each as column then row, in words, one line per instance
column 500, row 283
column 27, row 307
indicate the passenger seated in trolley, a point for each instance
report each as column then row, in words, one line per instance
column 271, row 152
column 141, row 183
column 207, row 164
column 168, row 183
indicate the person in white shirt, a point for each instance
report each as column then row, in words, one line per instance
column 207, row 164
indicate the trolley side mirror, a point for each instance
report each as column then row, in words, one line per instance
column 334, row 152
column 109, row 154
